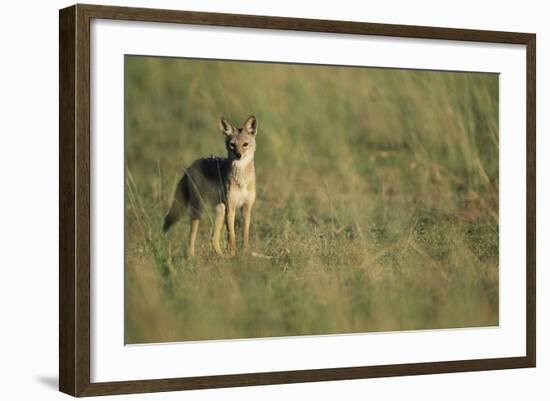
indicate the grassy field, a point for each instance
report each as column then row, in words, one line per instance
column 377, row 198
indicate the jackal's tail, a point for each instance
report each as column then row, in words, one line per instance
column 179, row 204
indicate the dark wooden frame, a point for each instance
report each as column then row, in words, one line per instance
column 74, row 199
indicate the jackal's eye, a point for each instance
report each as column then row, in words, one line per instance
column 232, row 145
column 245, row 144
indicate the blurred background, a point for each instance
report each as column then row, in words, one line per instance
column 377, row 200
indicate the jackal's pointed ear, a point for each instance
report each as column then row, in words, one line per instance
column 250, row 125
column 226, row 127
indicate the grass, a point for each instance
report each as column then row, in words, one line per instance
column 377, row 197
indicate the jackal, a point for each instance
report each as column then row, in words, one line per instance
column 227, row 184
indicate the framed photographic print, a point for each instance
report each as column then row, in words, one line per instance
column 251, row 200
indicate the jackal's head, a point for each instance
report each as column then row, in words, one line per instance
column 240, row 142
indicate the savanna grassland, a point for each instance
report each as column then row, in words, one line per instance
column 377, row 200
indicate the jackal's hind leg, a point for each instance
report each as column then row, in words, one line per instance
column 247, row 209
column 230, row 221
column 218, row 224
column 192, row 237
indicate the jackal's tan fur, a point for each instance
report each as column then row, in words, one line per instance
column 227, row 184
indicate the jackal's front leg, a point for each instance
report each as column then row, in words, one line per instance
column 231, row 229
